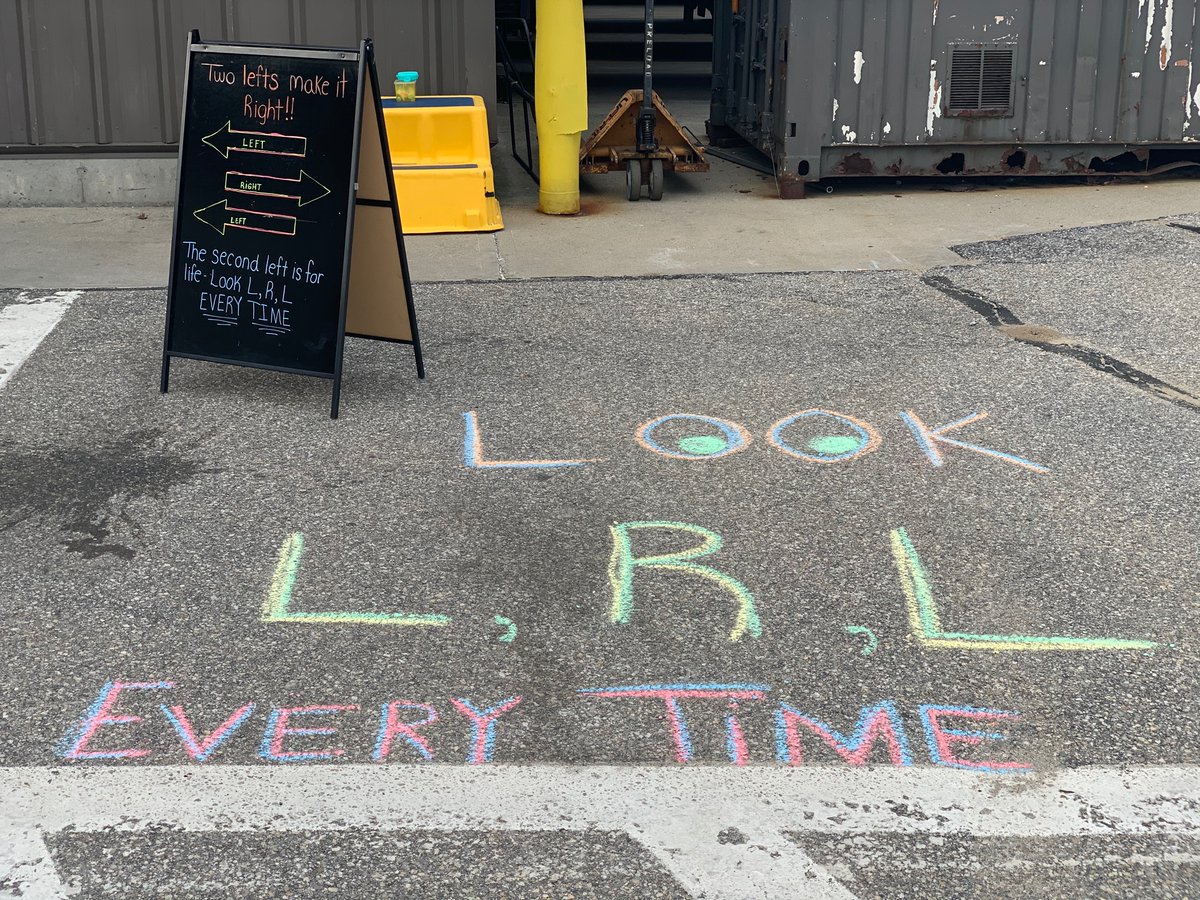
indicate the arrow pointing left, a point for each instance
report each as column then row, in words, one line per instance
column 220, row 216
column 227, row 138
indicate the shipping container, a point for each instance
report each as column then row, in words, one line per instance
column 831, row 88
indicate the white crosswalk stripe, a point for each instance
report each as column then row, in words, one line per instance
column 25, row 323
column 675, row 813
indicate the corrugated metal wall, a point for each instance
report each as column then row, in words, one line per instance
column 809, row 77
column 105, row 75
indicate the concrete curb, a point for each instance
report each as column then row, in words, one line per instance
column 91, row 181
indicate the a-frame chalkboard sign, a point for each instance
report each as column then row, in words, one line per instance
column 287, row 234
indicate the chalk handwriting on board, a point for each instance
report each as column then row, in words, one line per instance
column 302, row 189
column 227, row 139
column 926, row 625
column 277, row 607
column 258, row 263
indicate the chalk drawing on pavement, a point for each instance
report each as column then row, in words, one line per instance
column 929, row 439
column 391, row 727
column 942, row 740
column 473, row 455
column 828, row 448
column 733, row 438
column 483, row 727
column 814, row 435
column 402, row 728
column 881, row 721
column 926, row 625
column 277, row 607
column 623, row 563
column 102, row 712
column 277, row 732
column 671, row 694
column 872, row 641
column 200, row 749
column 510, row 633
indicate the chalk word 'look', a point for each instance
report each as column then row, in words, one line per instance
column 402, row 728
column 842, row 438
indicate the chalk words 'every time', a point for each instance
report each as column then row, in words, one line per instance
column 401, row 728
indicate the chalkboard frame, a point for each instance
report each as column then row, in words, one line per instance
column 368, row 80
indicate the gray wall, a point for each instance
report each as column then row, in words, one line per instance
column 105, row 76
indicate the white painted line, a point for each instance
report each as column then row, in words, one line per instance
column 767, row 865
column 25, row 323
column 676, row 813
column 26, row 866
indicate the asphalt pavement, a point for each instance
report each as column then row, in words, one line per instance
column 872, row 584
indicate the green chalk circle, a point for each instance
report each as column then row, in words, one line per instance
column 703, row 444
column 834, row 444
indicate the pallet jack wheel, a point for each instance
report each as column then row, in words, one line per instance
column 633, row 180
column 656, row 179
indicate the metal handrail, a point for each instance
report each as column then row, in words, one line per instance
column 513, row 85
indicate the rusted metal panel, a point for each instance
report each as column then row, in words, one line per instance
column 105, row 75
column 857, row 80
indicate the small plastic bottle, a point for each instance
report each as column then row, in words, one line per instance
column 406, row 87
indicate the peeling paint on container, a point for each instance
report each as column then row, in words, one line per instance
column 859, row 60
column 935, row 98
column 1164, row 52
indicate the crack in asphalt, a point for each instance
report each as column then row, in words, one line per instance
column 1004, row 319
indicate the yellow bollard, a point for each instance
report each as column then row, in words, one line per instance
column 560, row 97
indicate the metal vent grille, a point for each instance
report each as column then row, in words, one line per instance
column 981, row 80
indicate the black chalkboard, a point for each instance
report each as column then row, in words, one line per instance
column 268, row 164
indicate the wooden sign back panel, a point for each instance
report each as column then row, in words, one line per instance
column 380, row 303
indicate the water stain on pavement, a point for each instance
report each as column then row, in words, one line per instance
column 88, row 489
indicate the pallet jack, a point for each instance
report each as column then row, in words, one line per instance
column 641, row 136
